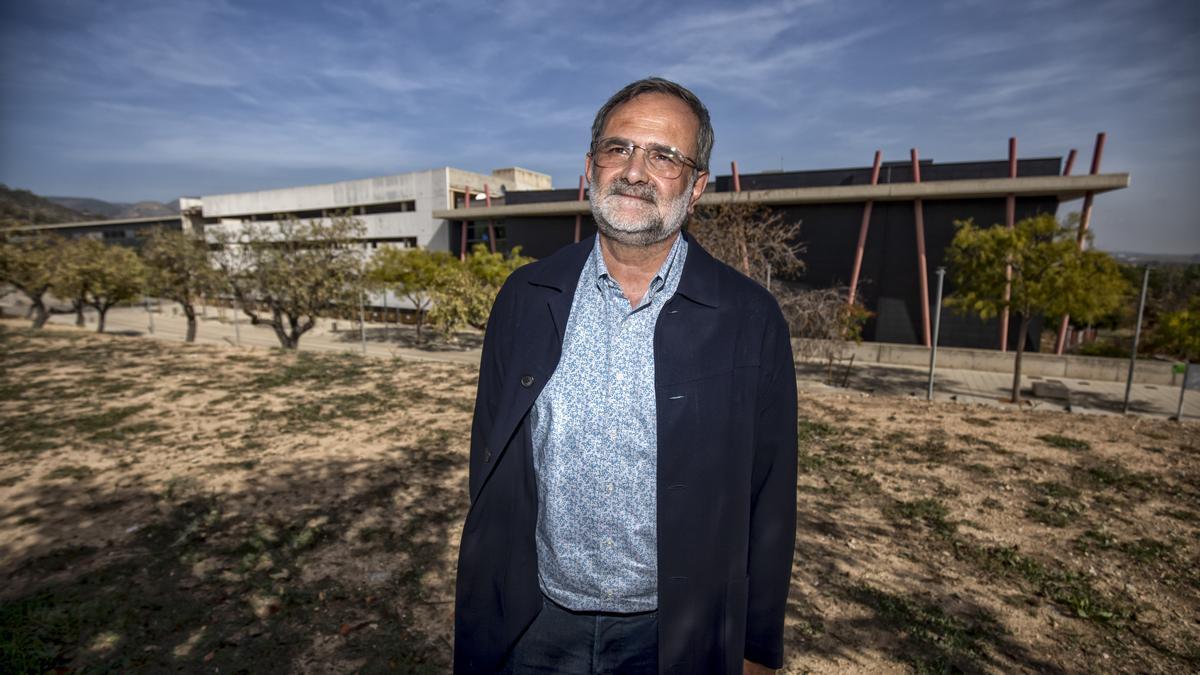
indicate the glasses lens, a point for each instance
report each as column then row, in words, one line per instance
column 663, row 163
column 611, row 154
column 615, row 154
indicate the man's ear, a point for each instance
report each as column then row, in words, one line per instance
column 587, row 169
column 698, row 190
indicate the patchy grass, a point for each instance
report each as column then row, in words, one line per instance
column 1065, row 442
column 73, row 472
column 175, row 508
column 933, row 640
column 931, row 512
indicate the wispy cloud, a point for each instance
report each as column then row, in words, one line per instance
column 122, row 100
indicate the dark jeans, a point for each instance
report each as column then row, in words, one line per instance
column 586, row 643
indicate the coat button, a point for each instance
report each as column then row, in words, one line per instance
column 526, row 380
column 487, row 454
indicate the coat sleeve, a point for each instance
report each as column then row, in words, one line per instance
column 773, row 497
column 491, row 375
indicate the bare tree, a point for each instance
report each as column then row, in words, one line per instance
column 759, row 243
column 751, row 238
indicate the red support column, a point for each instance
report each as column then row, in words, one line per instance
column 1070, row 162
column 862, row 234
column 922, row 275
column 737, row 180
column 1085, row 217
column 1010, row 216
column 487, row 196
column 578, row 217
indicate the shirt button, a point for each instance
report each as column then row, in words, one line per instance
column 526, row 380
column 612, row 434
column 619, row 375
column 610, row 487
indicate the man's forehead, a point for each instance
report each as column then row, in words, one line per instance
column 657, row 110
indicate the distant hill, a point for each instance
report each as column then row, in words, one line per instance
column 98, row 209
column 22, row 207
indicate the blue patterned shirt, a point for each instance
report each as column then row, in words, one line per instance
column 595, row 447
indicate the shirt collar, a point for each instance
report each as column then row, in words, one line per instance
column 600, row 270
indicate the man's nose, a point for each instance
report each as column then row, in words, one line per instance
column 635, row 170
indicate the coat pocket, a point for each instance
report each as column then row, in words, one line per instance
column 734, row 637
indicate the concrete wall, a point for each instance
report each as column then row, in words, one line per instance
column 340, row 195
column 516, row 178
column 1095, row 368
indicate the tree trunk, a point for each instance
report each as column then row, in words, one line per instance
column 40, row 314
column 294, row 332
column 1021, row 334
column 285, row 341
column 190, row 312
column 77, row 305
column 100, row 321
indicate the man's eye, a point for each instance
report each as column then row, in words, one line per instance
column 663, row 157
column 619, row 150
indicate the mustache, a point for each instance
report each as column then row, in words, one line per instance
column 624, row 187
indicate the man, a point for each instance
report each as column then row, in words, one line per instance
column 633, row 452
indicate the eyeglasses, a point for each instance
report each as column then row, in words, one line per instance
column 662, row 161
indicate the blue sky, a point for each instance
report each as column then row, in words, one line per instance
column 131, row 100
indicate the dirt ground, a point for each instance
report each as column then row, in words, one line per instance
column 169, row 507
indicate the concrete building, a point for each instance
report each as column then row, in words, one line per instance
column 395, row 210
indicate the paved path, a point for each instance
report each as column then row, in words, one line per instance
column 988, row 388
column 965, row 386
column 218, row 328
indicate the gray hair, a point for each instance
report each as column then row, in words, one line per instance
column 658, row 85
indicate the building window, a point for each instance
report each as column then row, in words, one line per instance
column 392, row 242
column 477, row 233
column 389, row 207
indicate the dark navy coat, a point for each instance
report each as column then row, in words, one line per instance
column 726, row 401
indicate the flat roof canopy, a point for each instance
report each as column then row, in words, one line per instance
column 1064, row 188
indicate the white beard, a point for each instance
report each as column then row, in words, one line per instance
column 637, row 230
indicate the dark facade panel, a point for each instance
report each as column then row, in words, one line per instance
column 889, row 282
column 889, row 172
column 542, row 196
column 539, row 237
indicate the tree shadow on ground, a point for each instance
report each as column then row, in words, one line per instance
column 921, row 621
column 354, row 575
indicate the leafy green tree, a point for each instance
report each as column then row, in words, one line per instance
column 287, row 274
column 114, row 276
column 31, row 266
column 76, row 257
column 1050, row 276
column 1178, row 333
column 411, row 274
column 179, row 267
column 465, row 290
